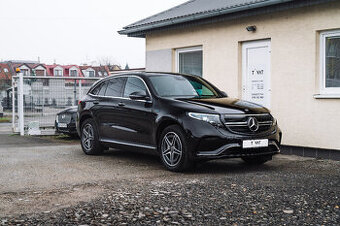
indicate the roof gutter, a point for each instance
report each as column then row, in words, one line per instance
column 141, row 28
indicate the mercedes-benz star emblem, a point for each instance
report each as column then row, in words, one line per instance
column 253, row 124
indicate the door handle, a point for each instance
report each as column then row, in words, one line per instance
column 95, row 102
column 121, row 104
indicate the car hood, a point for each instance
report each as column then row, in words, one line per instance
column 73, row 109
column 227, row 105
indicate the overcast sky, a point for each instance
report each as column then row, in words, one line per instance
column 74, row 31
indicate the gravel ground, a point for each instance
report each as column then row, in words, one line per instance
column 286, row 191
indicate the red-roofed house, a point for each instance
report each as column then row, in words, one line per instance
column 95, row 71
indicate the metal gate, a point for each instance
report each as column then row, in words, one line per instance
column 37, row 99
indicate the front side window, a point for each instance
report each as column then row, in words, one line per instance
column 183, row 86
column 190, row 61
column 330, row 62
column 115, row 87
column 134, row 84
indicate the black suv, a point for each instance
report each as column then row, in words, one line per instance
column 184, row 118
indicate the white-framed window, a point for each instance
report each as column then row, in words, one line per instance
column 25, row 72
column 189, row 61
column 73, row 73
column 58, row 72
column 330, row 62
column 39, row 72
column 91, row 73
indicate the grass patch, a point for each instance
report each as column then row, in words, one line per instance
column 5, row 119
column 61, row 138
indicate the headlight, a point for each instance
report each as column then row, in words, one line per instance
column 213, row 119
column 274, row 121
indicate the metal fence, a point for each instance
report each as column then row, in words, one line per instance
column 36, row 100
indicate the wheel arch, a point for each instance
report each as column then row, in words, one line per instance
column 83, row 117
column 164, row 124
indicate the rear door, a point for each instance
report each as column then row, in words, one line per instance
column 108, row 114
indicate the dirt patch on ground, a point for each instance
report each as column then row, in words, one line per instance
column 46, row 201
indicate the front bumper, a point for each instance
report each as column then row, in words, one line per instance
column 211, row 142
column 235, row 150
column 70, row 129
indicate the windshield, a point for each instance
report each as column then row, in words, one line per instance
column 182, row 86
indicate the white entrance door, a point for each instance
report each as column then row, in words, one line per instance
column 256, row 72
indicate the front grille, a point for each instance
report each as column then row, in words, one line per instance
column 238, row 123
column 64, row 117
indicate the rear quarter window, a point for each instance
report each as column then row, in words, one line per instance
column 99, row 89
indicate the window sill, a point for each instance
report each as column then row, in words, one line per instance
column 327, row 96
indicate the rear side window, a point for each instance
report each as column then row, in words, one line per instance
column 96, row 89
column 115, row 87
column 100, row 89
column 103, row 89
column 133, row 84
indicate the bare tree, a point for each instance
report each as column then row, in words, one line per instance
column 107, row 61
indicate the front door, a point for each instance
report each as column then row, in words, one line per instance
column 138, row 121
column 256, row 72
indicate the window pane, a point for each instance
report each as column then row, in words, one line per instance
column 96, row 90
column 133, row 85
column 191, row 63
column 201, row 89
column 91, row 73
column 114, row 89
column 182, row 86
column 73, row 73
column 103, row 89
column 333, row 61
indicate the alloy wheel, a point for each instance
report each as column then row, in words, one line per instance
column 171, row 148
column 87, row 137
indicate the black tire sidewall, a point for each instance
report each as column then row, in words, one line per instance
column 96, row 147
column 186, row 160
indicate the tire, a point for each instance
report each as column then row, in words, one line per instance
column 174, row 149
column 89, row 138
column 257, row 160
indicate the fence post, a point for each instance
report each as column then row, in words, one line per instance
column 80, row 91
column 13, row 104
column 21, row 104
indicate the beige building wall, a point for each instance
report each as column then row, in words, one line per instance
column 294, row 34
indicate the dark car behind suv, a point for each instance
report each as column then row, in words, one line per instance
column 184, row 118
column 65, row 121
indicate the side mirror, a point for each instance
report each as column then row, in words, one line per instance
column 139, row 95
